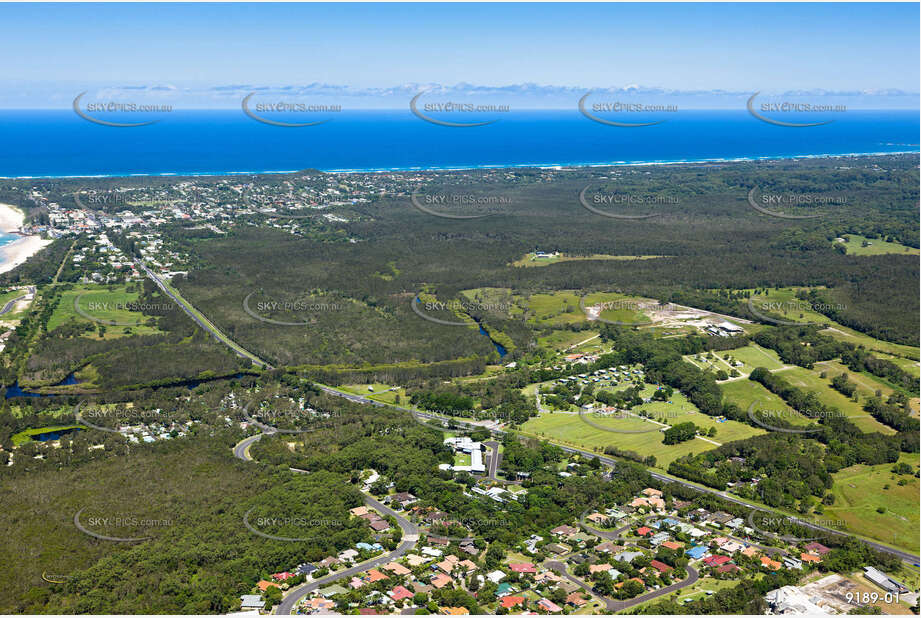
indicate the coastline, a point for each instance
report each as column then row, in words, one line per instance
column 18, row 251
column 457, row 168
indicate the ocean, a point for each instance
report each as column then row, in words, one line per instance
column 58, row 143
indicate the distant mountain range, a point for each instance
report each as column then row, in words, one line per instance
column 523, row 95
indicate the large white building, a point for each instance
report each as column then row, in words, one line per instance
column 465, row 445
column 792, row 600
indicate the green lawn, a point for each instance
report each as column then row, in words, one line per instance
column 5, row 298
column 378, row 393
column 619, row 307
column 571, row 430
column 876, row 246
column 745, row 392
column 811, row 380
column 843, row 333
column 782, row 304
column 103, row 302
column 859, row 491
column 554, row 309
column 531, row 260
column 755, row 356
column 563, row 339
column 26, row 436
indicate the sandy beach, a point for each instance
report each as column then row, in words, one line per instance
column 15, row 253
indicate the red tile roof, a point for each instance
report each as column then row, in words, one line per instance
column 659, row 566
column 510, row 601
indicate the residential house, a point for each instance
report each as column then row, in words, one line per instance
column 627, row 556
column 511, row 601
column 558, row 548
column 251, row 601
column 575, row 599
column 400, row 593
column 549, row 606
column 817, row 548
column 770, row 564
column 441, row 580
column 396, row 568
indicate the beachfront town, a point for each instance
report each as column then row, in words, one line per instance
column 142, row 215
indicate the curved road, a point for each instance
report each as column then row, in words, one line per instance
column 613, row 605
column 9, row 305
column 203, row 323
column 410, row 537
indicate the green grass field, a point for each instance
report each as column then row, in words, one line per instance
column 755, row 356
column 911, row 367
column 876, row 246
column 859, row 492
column 619, row 308
column 380, row 392
column 783, row 304
column 562, row 339
column 26, row 436
column 105, row 303
column 744, row 392
column 555, row 309
column 530, row 260
column 843, row 333
column 570, row 429
column 5, row 298
column 812, row 380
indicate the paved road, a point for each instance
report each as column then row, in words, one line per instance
column 613, row 605
column 692, row 577
column 410, row 536
column 906, row 556
column 239, row 451
column 204, row 324
column 9, row 305
column 494, row 458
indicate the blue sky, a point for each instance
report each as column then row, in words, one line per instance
column 52, row 52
